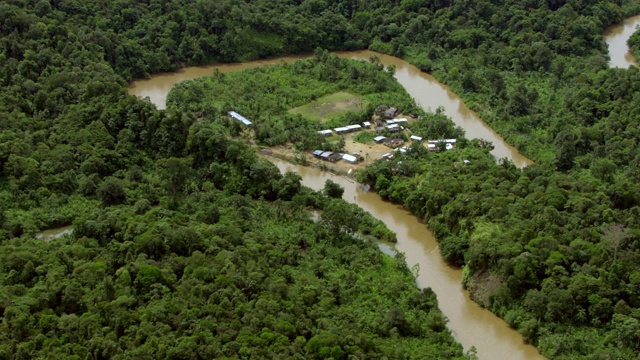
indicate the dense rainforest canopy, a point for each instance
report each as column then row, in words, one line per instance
column 154, row 195
column 634, row 44
column 185, row 245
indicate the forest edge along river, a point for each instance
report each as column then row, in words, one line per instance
column 616, row 37
column 428, row 92
column 470, row 324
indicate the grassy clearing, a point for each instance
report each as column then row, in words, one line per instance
column 331, row 106
column 365, row 137
column 334, row 138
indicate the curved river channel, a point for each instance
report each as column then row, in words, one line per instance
column 470, row 324
column 616, row 37
column 424, row 88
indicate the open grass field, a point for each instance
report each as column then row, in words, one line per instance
column 330, row 106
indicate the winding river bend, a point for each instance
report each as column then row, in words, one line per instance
column 424, row 88
column 470, row 324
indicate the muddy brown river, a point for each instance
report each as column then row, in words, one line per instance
column 424, row 88
column 470, row 324
column 616, row 37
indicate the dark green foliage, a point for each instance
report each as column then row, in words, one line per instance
column 111, row 192
column 634, row 44
column 436, row 126
column 265, row 95
column 183, row 273
column 563, row 249
column 260, row 279
column 175, row 251
column 333, row 189
column 538, row 75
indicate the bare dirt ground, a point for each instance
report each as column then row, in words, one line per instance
column 350, row 104
column 370, row 152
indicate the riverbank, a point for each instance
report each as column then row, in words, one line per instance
column 617, row 37
column 564, row 234
column 517, row 103
column 516, row 233
column 513, row 317
column 428, row 93
column 471, row 324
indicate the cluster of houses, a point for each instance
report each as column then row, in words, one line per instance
column 389, row 155
column 392, row 125
column 333, row 157
column 396, row 144
column 432, row 145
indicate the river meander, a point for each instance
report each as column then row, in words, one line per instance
column 470, row 324
column 424, row 88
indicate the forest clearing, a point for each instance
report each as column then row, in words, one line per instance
column 187, row 245
column 331, row 106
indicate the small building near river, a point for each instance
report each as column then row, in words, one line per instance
column 379, row 139
column 394, row 143
column 240, row 118
column 350, row 159
column 393, row 128
column 390, row 112
column 334, row 157
column 325, row 155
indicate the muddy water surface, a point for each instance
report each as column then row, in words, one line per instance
column 616, row 37
column 470, row 324
column 54, row 233
column 158, row 86
column 428, row 92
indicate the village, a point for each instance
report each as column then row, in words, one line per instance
column 392, row 136
column 395, row 143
